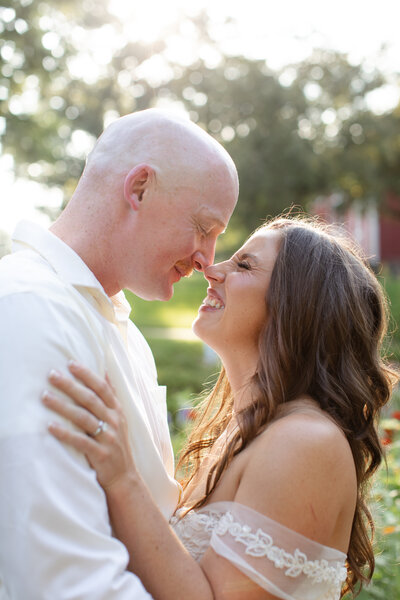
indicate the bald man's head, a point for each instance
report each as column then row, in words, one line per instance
column 175, row 148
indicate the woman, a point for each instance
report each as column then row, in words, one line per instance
column 277, row 465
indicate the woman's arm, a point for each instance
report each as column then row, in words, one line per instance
column 157, row 556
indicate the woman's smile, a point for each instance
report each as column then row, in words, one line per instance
column 212, row 301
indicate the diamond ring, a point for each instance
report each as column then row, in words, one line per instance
column 102, row 426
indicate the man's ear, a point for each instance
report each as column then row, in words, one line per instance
column 135, row 184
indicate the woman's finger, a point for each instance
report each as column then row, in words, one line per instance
column 79, row 416
column 77, row 440
column 80, row 394
column 110, row 384
column 98, row 385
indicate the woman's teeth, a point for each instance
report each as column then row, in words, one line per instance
column 213, row 302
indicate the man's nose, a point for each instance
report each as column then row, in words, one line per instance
column 204, row 257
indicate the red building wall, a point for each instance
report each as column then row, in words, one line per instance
column 389, row 230
column 378, row 235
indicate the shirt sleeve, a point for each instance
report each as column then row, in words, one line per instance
column 280, row 560
column 55, row 536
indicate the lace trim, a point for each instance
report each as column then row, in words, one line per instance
column 261, row 544
column 207, row 522
column 195, row 530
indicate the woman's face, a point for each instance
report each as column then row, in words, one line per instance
column 234, row 311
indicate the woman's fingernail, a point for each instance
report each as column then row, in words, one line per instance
column 54, row 374
column 73, row 364
column 48, row 396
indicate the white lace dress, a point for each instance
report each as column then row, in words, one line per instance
column 281, row 561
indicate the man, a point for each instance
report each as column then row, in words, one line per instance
column 154, row 196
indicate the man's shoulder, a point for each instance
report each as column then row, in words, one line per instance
column 30, row 286
column 26, row 271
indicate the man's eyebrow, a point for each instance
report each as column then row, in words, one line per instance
column 207, row 214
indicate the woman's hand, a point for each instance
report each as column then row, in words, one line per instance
column 103, row 435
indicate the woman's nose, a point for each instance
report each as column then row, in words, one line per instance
column 215, row 273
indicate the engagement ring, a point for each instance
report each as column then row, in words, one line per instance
column 102, row 426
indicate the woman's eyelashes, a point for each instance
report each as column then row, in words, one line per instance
column 243, row 264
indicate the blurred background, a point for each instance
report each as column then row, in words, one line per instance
column 305, row 96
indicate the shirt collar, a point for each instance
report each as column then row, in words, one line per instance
column 121, row 306
column 68, row 265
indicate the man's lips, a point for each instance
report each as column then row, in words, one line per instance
column 176, row 275
column 183, row 270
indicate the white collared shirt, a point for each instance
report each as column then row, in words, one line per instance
column 55, row 537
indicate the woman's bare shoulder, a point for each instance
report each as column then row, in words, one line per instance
column 305, row 427
column 301, row 473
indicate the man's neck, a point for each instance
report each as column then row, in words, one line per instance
column 90, row 247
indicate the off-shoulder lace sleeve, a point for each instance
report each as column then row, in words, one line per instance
column 281, row 561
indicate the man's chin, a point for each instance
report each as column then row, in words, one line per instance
column 166, row 294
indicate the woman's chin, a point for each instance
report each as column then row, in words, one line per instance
column 203, row 332
column 196, row 327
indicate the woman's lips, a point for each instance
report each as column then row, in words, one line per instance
column 212, row 301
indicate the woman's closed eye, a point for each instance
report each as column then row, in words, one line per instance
column 243, row 264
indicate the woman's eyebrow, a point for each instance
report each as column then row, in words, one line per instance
column 247, row 255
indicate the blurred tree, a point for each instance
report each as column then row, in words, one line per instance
column 51, row 115
column 367, row 158
column 243, row 105
column 293, row 134
column 361, row 149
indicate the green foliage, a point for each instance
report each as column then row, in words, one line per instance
column 391, row 284
column 42, row 102
column 183, row 367
column 386, row 510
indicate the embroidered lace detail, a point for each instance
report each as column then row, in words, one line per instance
column 261, row 544
column 196, row 528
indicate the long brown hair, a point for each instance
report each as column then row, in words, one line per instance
column 327, row 317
